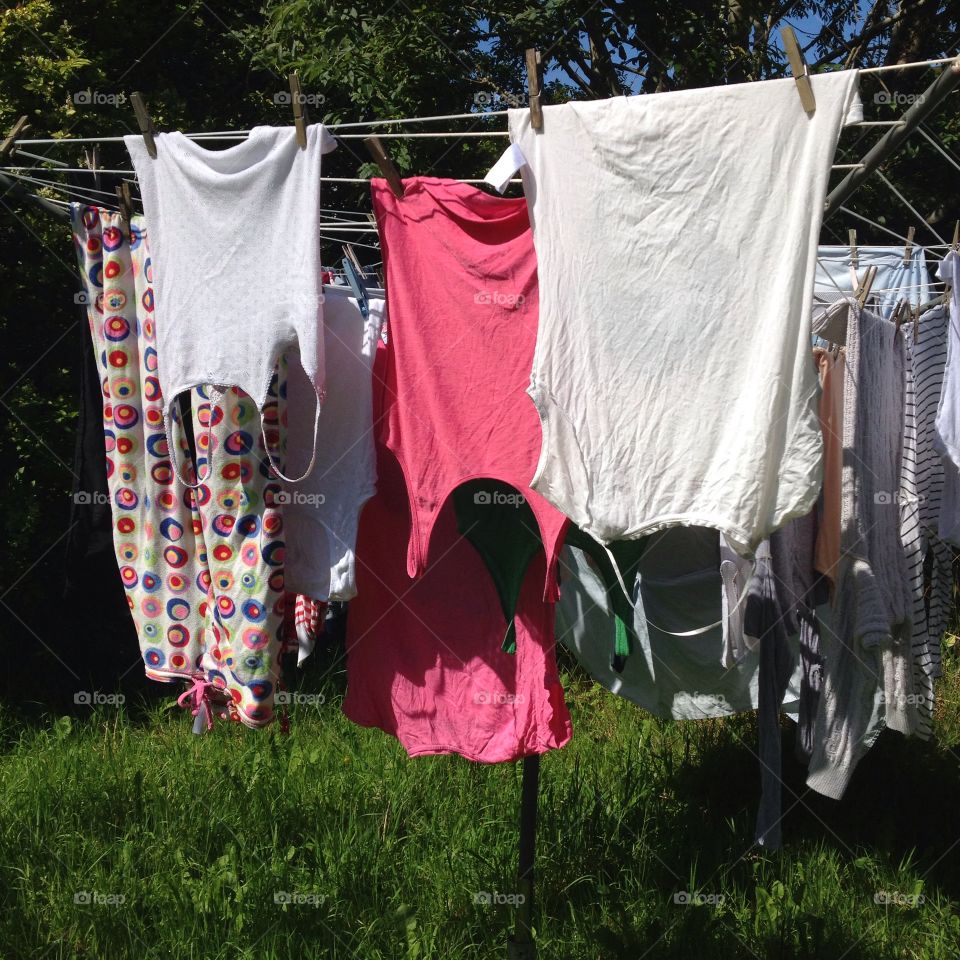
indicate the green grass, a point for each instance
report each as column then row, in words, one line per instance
column 198, row 835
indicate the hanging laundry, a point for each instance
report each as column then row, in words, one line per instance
column 675, row 667
column 830, row 366
column 461, row 276
column 424, row 658
column 911, row 538
column 868, row 671
column 89, row 546
column 894, row 281
column 242, row 524
column 780, row 607
column 503, row 530
column 735, row 572
column 667, row 228
column 156, row 527
column 680, row 621
column 322, row 512
column 922, row 517
column 201, row 567
column 230, row 304
column 948, row 413
column 303, row 623
column 93, row 595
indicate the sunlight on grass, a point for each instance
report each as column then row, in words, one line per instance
column 122, row 834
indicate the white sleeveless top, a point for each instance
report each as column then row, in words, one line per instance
column 235, row 244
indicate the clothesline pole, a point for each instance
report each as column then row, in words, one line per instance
column 521, row 946
column 923, row 107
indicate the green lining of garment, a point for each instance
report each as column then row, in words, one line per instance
column 627, row 554
column 505, row 533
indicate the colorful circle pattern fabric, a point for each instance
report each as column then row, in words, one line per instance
column 240, row 551
column 199, row 568
column 138, row 466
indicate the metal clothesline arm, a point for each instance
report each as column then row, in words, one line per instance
column 12, row 188
column 919, row 216
column 894, row 138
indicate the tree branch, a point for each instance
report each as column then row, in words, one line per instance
column 868, row 34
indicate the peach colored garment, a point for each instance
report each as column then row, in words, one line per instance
column 830, row 367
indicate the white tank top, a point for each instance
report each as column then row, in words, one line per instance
column 235, row 245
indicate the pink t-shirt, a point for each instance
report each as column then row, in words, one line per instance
column 424, row 661
column 461, row 277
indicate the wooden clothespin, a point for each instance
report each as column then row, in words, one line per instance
column 535, row 87
column 299, row 111
column 8, row 145
column 144, row 122
column 798, row 67
column 854, row 256
column 897, row 318
column 863, row 291
column 385, row 164
column 908, row 249
column 125, row 201
column 92, row 160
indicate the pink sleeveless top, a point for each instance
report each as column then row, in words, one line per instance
column 461, row 278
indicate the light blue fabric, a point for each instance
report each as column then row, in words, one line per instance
column 894, row 281
column 669, row 675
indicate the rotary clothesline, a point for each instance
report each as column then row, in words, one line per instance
column 889, row 143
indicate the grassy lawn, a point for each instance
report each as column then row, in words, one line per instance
column 123, row 835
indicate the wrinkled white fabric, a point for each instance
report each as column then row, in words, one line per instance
column 321, row 513
column 235, row 242
column 676, row 237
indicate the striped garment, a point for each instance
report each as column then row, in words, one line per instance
column 932, row 594
column 911, row 534
column 867, row 647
